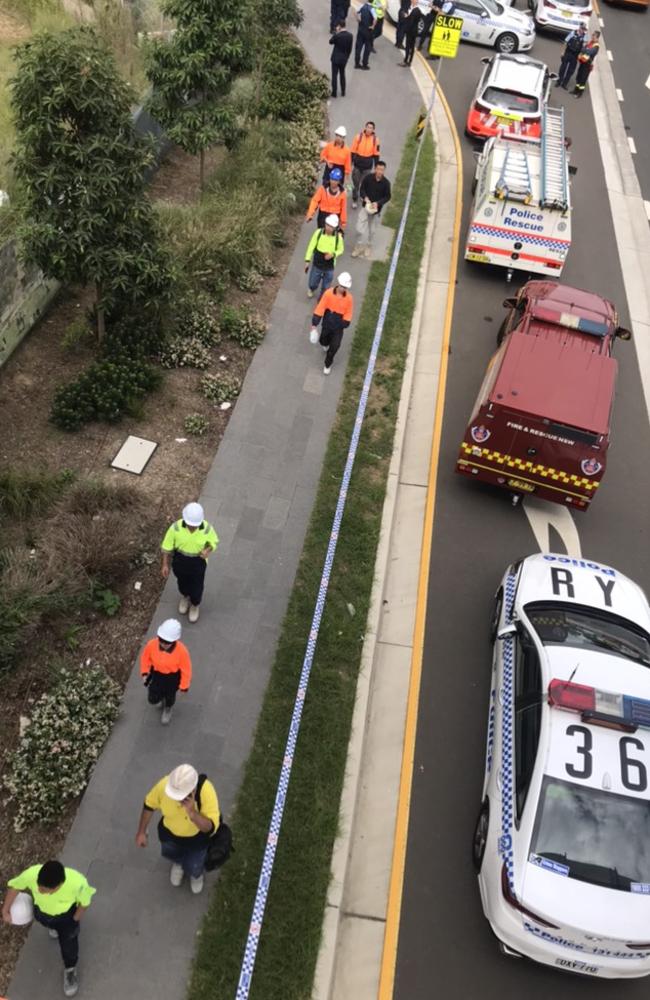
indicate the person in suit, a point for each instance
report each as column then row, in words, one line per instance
column 341, row 42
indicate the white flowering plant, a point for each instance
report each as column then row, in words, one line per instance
column 60, row 744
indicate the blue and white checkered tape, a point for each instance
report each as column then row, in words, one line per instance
column 507, row 736
column 259, row 906
column 497, row 232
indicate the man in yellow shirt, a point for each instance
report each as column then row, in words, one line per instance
column 185, row 549
column 61, row 896
column 190, row 815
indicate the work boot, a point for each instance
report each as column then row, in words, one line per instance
column 367, row 252
column 70, row 982
column 327, row 370
column 196, row 885
column 358, row 250
column 310, row 293
column 194, row 613
column 176, row 875
column 183, row 605
column 166, row 716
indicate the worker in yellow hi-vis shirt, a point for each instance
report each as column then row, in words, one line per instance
column 185, row 549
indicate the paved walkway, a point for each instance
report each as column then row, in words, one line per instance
column 139, row 936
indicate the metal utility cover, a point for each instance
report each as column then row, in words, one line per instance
column 134, row 455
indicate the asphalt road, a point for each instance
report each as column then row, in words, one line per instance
column 446, row 948
column 627, row 36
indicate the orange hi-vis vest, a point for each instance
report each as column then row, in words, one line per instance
column 337, row 156
column 365, row 147
column 331, row 204
column 343, row 304
column 178, row 659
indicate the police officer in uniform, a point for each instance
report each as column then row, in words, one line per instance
column 185, row 549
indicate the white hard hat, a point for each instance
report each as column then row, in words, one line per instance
column 170, row 630
column 345, row 280
column 341, row 130
column 332, row 220
column 181, row 782
column 22, row 910
column 193, row 514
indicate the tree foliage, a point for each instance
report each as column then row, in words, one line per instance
column 193, row 70
column 80, row 169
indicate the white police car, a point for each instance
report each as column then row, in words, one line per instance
column 561, row 16
column 488, row 22
column 562, row 842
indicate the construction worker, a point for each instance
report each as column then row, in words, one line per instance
column 190, row 815
column 341, row 42
column 324, row 247
column 186, row 547
column 375, row 193
column 166, row 666
column 586, row 63
column 330, row 200
column 335, row 309
column 573, row 44
column 61, row 896
column 336, row 154
column 365, row 153
column 363, row 43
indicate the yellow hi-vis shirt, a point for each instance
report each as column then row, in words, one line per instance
column 179, row 538
column 174, row 814
column 75, row 891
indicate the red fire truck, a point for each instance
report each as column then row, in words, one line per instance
column 541, row 423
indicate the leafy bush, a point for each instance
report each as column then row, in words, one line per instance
column 302, row 136
column 288, row 81
column 76, row 333
column 57, row 751
column 105, row 600
column 196, row 424
column 220, row 388
column 185, row 352
column 243, row 327
column 105, row 391
column 250, row 281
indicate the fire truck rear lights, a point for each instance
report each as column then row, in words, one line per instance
column 603, row 708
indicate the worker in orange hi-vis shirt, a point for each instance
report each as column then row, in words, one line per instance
column 337, row 154
column 335, row 308
column 330, row 199
column 166, row 666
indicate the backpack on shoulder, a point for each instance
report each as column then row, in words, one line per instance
column 220, row 845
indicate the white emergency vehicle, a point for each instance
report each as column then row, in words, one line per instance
column 562, row 842
column 521, row 214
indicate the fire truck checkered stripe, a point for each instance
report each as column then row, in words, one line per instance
column 507, row 731
column 478, row 229
column 533, row 468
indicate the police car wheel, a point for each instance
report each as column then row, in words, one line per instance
column 480, row 836
column 496, row 617
column 507, row 43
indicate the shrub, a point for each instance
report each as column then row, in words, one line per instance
column 196, row 424
column 302, row 136
column 250, row 281
column 25, row 493
column 76, row 333
column 243, row 327
column 68, row 728
column 105, row 391
column 93, row 496
column 96, row 548
column 288, row 82
column 185, row 352
column 220, row 388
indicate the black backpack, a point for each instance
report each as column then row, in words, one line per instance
column 220, row 845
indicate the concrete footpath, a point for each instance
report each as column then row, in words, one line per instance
column 139, row 935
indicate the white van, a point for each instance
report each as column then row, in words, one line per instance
column 521, row 214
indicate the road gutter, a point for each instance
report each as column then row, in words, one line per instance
column 352, row 942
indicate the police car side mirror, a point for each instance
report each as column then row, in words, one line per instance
column 623, row 333
column 507, row 630
column 509, row 303
column 552, row 76
column 486, row 60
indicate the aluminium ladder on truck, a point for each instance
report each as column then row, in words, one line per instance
column 514, row 180
column 554, row 166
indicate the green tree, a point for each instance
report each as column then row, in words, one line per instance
column 193, row 70
column 80, row 170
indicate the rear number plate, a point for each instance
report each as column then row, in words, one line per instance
column 518, row 484
column 482, row 258
column 567, row 13
column 575, row 966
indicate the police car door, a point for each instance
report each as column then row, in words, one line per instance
column 475, row 20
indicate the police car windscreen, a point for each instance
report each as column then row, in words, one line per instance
column 510, row 100
column 593, row 835
column 576, row 3
column 494, row 8
column 585, row 628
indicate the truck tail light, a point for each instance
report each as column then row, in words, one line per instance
column 512, row 900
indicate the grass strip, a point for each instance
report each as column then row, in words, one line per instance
column 291, row 936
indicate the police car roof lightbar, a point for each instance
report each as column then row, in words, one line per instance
column 570, row 321
column 600, row 708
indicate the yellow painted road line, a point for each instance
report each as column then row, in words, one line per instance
column 393, row 910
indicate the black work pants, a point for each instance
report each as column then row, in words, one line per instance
column 190, row 576
column 338, row 75
column 331, row 339
column 163, row 687
column 68, row 930
column 362, row 47
column 567, row 68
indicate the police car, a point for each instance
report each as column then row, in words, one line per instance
column 561, row 16
column 562, row 841
column 486, row 22
column 510, row 97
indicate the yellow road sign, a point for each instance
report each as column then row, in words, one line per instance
column 445, row 36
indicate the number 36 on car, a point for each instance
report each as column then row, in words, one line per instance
column 562, row 841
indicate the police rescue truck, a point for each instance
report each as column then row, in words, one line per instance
column 562, row 842
column 521, row 214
